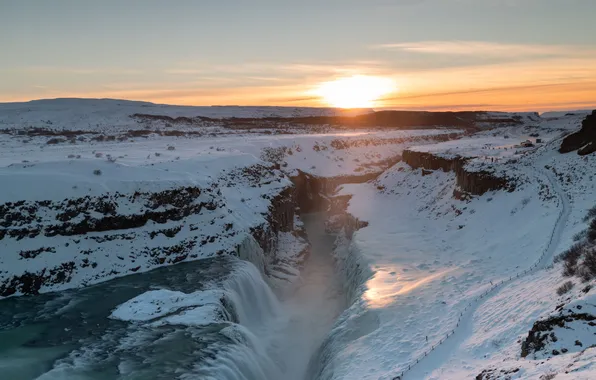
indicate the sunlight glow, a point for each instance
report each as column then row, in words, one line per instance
column 385, row 287
column 358, row 91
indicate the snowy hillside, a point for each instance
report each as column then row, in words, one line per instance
column 101, row 114
column 453, row 287
column 70, row 208
column 445, row 242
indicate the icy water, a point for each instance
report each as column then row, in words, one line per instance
column 315, row 305
column 209, row 319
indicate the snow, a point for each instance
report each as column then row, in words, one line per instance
column 438, row 288
column 33, row 171
column 523, row 117
column 60, row 180
column 487, row 147
column 314, row 153
column 105, row 114
column 455, row 285
column 199, row 308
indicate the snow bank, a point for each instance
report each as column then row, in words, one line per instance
column 157, row 306
column 456, row 284
column 101, row 114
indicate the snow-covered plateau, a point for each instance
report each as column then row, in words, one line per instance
column 143, row 241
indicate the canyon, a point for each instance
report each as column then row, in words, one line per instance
column 349, row 251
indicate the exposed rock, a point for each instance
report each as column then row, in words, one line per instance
column 169, row 119
column 541, row 333
column 470, row 182
column 31, row 254
column 313, row 192
column 74, row 216
column 279, row 219
column 419, row 119
column 30, row 283
column 496, row 374
column 339, row 219
column 584, row 141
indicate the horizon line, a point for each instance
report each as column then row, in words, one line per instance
column 453, row 108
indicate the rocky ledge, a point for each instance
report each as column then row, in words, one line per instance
column 468, row 182
column 58, row 244
column 584, row 141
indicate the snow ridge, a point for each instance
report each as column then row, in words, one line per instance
column 440, row 351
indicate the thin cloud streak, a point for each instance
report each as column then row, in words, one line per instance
column 485, row 90
column 75, row 70
column 485, row 48
column 532, row 82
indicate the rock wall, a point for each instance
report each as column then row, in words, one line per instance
column 57, row 244
column 312, row 192
column 102, row 236
column 584, row 141
column 280, row 218
column 339, row 219
column 419, row 119
column 468, row 182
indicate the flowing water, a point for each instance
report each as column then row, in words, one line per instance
column 208, row 319
column 316, row 304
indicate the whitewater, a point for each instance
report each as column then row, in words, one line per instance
column 210, row 319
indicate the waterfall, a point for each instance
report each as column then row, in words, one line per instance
column 258, row 312
column 246, row 359
column 253, row 300
column 250, row 250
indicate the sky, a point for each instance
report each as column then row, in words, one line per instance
column 534, row 55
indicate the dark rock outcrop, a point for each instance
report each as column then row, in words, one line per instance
column 339, row 219
column 411, row 119
column 78, row 216
column 584, row 141
column 280, row 218
column 95, row 238
column 541, row 333
column 468, row 182
column 89, row 223
column 312, row 192
column 169, row 119
column 30, row 283
column 497, row 374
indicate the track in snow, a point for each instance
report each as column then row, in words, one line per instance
column 440, row 352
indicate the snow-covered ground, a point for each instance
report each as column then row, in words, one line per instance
column 455, row 286
column 50, row 190
column 322, row 154
column 438, row 288
column 106, row 114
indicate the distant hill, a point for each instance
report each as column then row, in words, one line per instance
column 75, row 114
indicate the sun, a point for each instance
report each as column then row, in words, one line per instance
column 358, row 91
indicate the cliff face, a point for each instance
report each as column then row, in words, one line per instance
column 312, row 192
column 583, row 141
column 56, row 244
column 75, row 231
column 280, row 218
column 468, row 182
column 418, row 119
column 339, row 219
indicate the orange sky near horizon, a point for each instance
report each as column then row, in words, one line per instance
column 510, row 55
column 531, row 86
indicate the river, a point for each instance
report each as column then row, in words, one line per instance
column 209, row 319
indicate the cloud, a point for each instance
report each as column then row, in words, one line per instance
column 546, row 78
column 44, row 70
column 279, row 69
column 184, row 71
column 490, row 49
